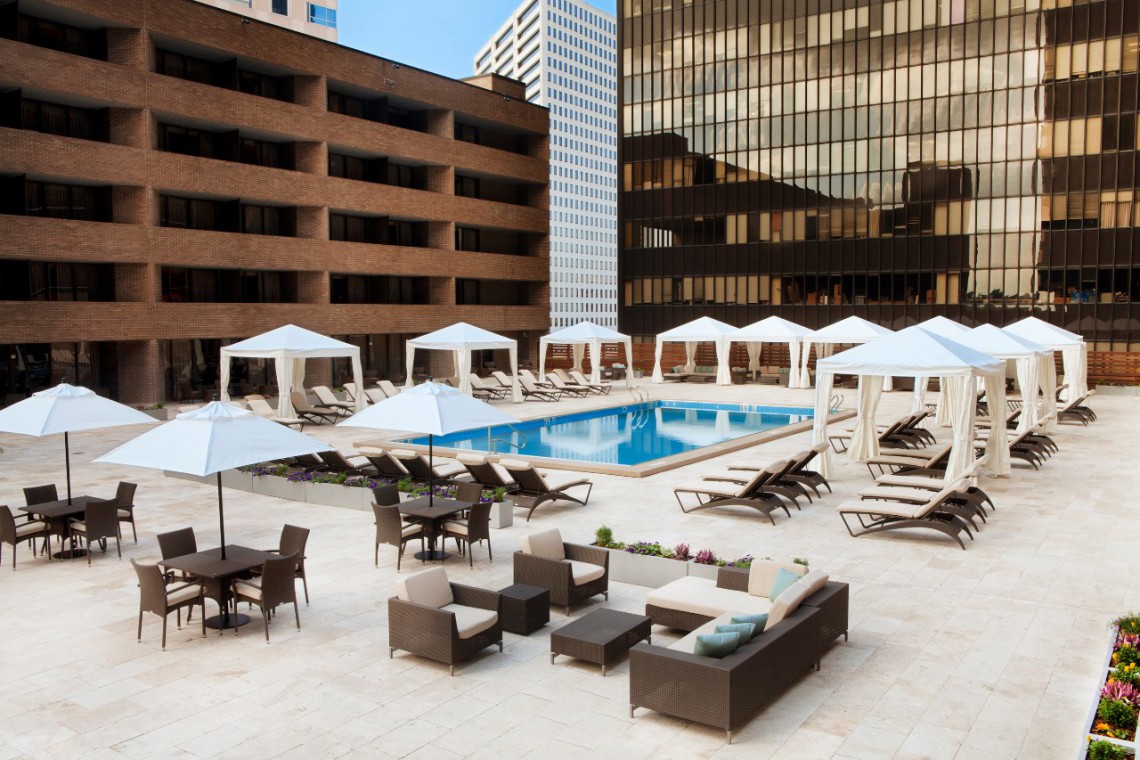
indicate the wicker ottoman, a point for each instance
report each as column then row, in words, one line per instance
column 600, row 637
column 525, row 608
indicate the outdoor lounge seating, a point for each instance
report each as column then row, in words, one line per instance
column 386, row 464
column 327, row 398
column 12, row 533
column 442, row 621
column 878, row 515
column 259, row 406
column 730, row 493
column 417, row 465
column 375, row 395
column 726, row 692
column 314, row 414
column 292, row 544
column 533, row 488
column 125, row 501
column 540, row 382
column 484, row 472
column 530, row 391
column 894, row 460
column 898, row 433
column 477, row 527
column 600, row 389
column 100, row 522
column 391, row 530
column 388, row 388
column 566, row 388
column 485, row 390
column 156, row 597
column 334, row 461
column 572, row 573
column 274, row 585
column 177, row 543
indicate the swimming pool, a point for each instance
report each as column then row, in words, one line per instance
column 630, row 435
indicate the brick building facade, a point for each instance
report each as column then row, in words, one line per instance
column 173, row 177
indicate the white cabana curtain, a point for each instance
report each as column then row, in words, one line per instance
column 805, row 358
column 962, row 399
column 1047, row 374
column 794, row 377
column 461, row 339
column 690, row 355
column 819, row 421
column 578, row 352
column 997, row 448
column 865, row 439
column 723, row 369
column 754, row 349
column 918, row 401
column 658, row 377
column 1027, row 370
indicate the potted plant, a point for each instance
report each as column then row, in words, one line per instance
column 502, row 511
column 646, row 563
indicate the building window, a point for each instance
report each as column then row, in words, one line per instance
column 90, row 43
column 467, row 187
column 281, row 7
column 53, row 118
column 466, row 239
column 60, row 201
column 181, row 285
column 51, row 281
column 197, row 214
column 377, row 289
column 357, row 229
column 322, row 16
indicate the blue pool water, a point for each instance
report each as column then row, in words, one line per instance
column 627, row 435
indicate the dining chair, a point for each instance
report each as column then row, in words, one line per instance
column 100, row 522
column 386, row 495
column 13, row 533
column 391, row 530
column 293, row 540
column 476, row 527
column 41, row 494
column 177, row 543
column 156, row 597
column 275, row 585
column 125, row 501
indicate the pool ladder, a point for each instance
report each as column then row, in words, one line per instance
column 640, row 395
column 836, row 402
column 492, row 443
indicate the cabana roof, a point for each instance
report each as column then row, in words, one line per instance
column 850, row 330
column 771, row 330
column 913, row 352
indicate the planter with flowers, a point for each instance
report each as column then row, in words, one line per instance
column 649, row 563
column 1114, row 719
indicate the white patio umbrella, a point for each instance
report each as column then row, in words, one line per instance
column 67, row 409
column 432, row 409
column 209, row 440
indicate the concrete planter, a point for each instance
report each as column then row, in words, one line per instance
column 641, row 570
column 336, row 495
column 1129, row 746
column 158, row 414
column 236, row 479
column 281, row 488
column 502, row 514
column 708, row 572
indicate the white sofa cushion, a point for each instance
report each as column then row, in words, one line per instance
column 702, row 597
column 584, row 572
column 429, row 588
column 546, row 544
column 471, row 620
column 763, row 573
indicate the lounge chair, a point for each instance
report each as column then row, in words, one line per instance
column 894, row 460
column 972, row 496
column 417, row 466
column 336, row 462
column 374, row 395
column 560, row 384
column 350, row 391
column 798, row 473
column 326, row 397
column 484, row 472
column 1021, row 447
column 712, row 493
column 936, row 513
column 503, row 378
column 482, row 389
column 259, row 406
column 532, row 391
column 540, row 382
column 601, row 389
column 389, row 389
column 776, row 483
column 315, row 414
column 532, row 486
column 386, row 464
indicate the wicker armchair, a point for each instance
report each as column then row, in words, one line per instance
column 443, row 621
column 156, row 597
column 568, row 571
column 13, row 533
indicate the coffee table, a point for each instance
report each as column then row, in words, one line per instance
column 600, row 637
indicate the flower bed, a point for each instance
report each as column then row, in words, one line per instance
column 1116, row 713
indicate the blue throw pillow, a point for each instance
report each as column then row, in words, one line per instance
column 759, row 621
column 716, row 644
column 746, row 631
column 784, row 579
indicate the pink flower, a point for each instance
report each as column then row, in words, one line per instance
column 1123, row 692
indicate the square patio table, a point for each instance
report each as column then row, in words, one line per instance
column 433, row 515
column 216, row 574
column 58, row 514
column 601, row 637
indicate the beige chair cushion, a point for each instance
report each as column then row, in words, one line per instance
column 515, row 464
column 403, row 453
column 815, row 581
column 584, row 572
column 455, row 527
column 29, row 528
column 250, row 589
column 182, row 594
column 471, row 620
column 763, row 573
column 467, row 458
column 124, row 513
column 702, row 597
column 789, row 601
column 546, row 544
column 429, row 588
column 411, row 530
column 78, row 527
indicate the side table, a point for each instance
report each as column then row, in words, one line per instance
column 525, row 608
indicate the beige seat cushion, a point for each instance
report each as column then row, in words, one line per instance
column 429, row 588
column 190, row 592
column 546, row 544
column 403, row 453
column 471, row 620
column 789, row 601
column 124, row 513
column 29, row 528
column 78, row 527
column 515, row 464
column 467, row 458
column 458, row 528
column 411, row 530
column 815, row 581
column 584, row 572
column 763, row 573
column 702, row 597
column 250, row 589
column 889, row 508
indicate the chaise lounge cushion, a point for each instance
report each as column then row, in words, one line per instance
column 429, row 588
column 546, row 544
column 702, row 597
column 790, row 600
column 762, row 575
column 471, row 620
column 584, row 572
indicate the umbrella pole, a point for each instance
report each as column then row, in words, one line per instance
column 67, row 464
column 221, row 515
column 431, row 473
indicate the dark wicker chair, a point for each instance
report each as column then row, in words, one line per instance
column 557, row 575
column 391, row 530
column 156, row 597
column 292, row 543
column 477, row 527
column 41, row 494
column 177, row 543
column 13, row 533
column 276, row 585
column 431, row 630
column 387, row 495
column 387, row 465
column 125, row 501
column 100, row 522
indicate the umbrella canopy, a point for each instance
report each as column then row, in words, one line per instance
column 67, row 409
column 462, row 338
column 704, row 329
column 587, row 335
column 209, row 440
column 431, row 408
column 774, row 330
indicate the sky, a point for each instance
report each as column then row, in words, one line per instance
column 441, row 36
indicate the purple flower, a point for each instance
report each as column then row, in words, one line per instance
column 1121, row 692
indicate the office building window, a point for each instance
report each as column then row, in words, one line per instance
column 319, row 14
column 281, row 7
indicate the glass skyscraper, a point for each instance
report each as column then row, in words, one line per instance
column 895, row 160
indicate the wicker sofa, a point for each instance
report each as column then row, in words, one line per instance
column 725, row 693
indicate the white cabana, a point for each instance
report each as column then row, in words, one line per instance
column 947, row 328
column 703, row 330
column 774, row 330
column 846, row 331
column 587, row 335
column 1028, row 359
column 1074, row 351
column 461, row 339
column 913, row 352
column 289, row 347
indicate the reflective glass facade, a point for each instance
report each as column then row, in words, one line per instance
column 896, row 160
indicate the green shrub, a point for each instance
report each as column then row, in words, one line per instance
column 801, row 561
column 1130, row 623
column 603, row 536
column 1117, row 714
column 1102, row 750
column 1126, row 655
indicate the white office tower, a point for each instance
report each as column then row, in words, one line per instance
column 314, row 18
column 565, row 51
